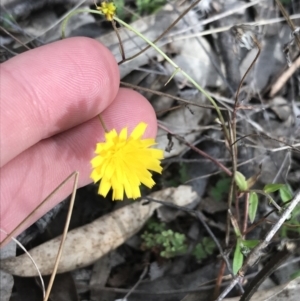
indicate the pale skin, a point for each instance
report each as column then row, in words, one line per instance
column 49, row 101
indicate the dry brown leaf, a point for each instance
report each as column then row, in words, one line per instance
column 86, row 244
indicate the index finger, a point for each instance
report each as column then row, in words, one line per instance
column 51, row 89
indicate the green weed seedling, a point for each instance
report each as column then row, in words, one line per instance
column 292, row 225
column 243, row 247
column 149, row 6
column 170, row 243
column 204, row 248
column 221, row 189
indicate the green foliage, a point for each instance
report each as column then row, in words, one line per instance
column 120, row 4
column 250, row 243
column 6, row 21
column 183, row 173
column 242, row 248
column 178, row 178
column 295, row 275
column 221, row 188
column 285, row 193
column 241, row 181
column 169, row 243
column 203, row 249
column 293, row 224
column 253, row 204
column 149, row 6
column 156, row 227
column 269, row 188
column 238, row 258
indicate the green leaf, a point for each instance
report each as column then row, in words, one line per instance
column 120, row 4
column 295, row 275
column 250, row 243
column 238, row 258
column 209, row 245
column 253, row 203
column 272, row 187
column 220, row 189
column 285, row 193
column 199, row 252
column 241, row 181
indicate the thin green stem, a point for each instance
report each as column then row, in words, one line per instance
column 162, row 54
column 170, row 61
column 75, row 12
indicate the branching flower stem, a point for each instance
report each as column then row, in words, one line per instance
column 177, row 69
column 169, row 60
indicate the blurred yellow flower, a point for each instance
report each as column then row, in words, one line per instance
column 123, row 163
column 108, row 9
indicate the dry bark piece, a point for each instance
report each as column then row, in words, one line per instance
column 288, row 291
column 87, row 244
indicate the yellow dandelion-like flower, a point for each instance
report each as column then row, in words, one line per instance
column 108, row 9
column 123, row 163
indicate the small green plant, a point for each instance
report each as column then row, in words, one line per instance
column 149, row 6
column 295, row 275
column 204, row 248
column 120, row 4
column 166, row 241
column 292, row 225
column 220, row 190
column 243, row 247
column 7, row 20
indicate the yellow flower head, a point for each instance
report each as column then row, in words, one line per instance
column 108, row 9
column 123, row 163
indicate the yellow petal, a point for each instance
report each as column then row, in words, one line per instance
column 104, row 187
column 124, row 163
column 139, row 131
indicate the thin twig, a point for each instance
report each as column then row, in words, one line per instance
column 103, row 123
column 167, row 95
column 199, row 151
column 268, row 269
column 64, row 236
column 137, row 283
column 256, row 253
column 233, row 134
column 42, row 284
column 271, row 138
column 25, row 220
column 113, row 22
column 162, row 34
column 228, row 289
column 219, row 279
column 15, row 38
column 280, row 82
column 247, row 72
column 289, row 21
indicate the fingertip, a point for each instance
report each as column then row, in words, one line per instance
column 30, row 177
column 127, row 110
column 53, row 88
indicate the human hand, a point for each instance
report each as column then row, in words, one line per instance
column 49, row 102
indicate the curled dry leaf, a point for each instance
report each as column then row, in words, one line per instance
column 86, row 244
